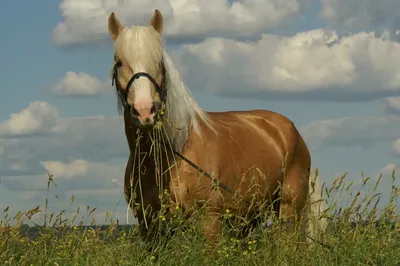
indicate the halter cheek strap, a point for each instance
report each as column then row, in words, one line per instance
column 161, row 90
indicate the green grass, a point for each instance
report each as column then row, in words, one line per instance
column 63, row 242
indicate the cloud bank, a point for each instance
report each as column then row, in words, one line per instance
column 86, row 21
column 317, row 64
column 85, row 155
column 352, row 131
column 39, row 134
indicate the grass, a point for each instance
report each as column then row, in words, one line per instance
column 61, row 241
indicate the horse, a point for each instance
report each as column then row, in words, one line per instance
column 232, row 161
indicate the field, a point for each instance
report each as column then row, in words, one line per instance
column 359, row 233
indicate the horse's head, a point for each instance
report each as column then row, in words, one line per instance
column 139, row 72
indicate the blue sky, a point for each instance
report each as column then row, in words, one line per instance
column 317, row 63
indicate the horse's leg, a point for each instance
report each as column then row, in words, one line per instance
column 132, row 196
column 294, row 194
column 211, row 227
column 128, row 191
column 129, row 184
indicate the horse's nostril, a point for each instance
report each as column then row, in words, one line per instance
column 134, row 111
column 153, row 109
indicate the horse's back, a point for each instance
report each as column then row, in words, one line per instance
column 263, row 125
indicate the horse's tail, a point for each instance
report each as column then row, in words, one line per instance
column 317, row 204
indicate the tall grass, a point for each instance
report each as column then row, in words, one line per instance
column 359, row 233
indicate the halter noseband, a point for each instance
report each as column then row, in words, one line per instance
column 161, row 90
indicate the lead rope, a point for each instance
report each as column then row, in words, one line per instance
column 227, row 188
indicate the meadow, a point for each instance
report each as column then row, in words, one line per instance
column 359, row 233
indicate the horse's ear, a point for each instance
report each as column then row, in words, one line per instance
column 114, row 26
column 157, row 21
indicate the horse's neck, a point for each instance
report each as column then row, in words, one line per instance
column 132, row 135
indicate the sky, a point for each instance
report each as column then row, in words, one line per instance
column 331, row 66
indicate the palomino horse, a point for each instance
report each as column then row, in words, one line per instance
column 250, row 154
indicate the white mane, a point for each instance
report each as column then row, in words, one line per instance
column 182, row 111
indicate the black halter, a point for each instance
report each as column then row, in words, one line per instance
column 161, row 89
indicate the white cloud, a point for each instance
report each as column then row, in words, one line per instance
column 388, row 169
column 79, row 84
column 87, row 20
column 387, row 181
column 393, row 105
column 397, row 147
column 351, row 131
column 317, row 61
column 66, row 170
column 39, row 117
column 80, row 168
column 356, row 14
